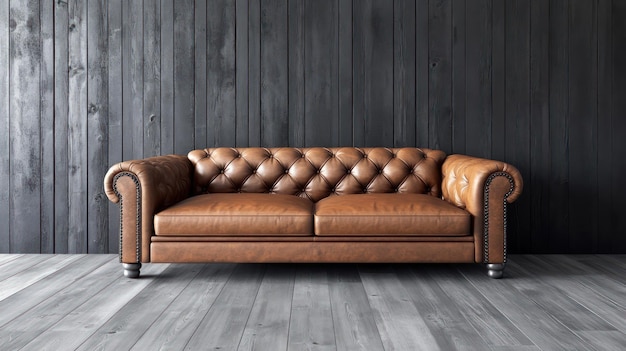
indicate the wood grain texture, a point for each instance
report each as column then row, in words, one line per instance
column 532, row 83
column 354, row 323
column 583, row 93
column 241, row 72
column 440, row 74
column 321, row 109
column 477, row 94
column 24, row 129
column 517, row 127
column 404, row 73
column 268, row 324
column 618, row 123
column 545, row 302
column 46, row 108
column 311, row 321
column 274, row 61
column 77, row 126
column 221, row 74
column 184, row 73
column 167, row 77
column 254, row 72
column 345, row 61
column 421, row 72
column 114, row 84
column 61, row 111
column 372, row 73
column 559, row 125
column 539, row 123
column 295, row 45
column 97, row 126
column 462, row 24
column 5, row 143
column 151, row 118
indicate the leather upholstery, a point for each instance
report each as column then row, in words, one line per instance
column 160, row 182
column 389, row 214
column 237, row 214
column 315, row 176
column 464, row 184
column 316, row 173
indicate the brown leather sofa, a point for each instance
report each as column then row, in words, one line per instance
column 313, row 205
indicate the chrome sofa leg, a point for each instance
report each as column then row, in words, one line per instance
column 495, row 270
column 131, row 270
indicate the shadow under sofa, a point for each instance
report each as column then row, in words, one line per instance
column 308, row 205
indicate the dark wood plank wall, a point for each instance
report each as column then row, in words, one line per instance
column 85, row 84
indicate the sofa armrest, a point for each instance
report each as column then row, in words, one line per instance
column 144, row 187
column 483, row 188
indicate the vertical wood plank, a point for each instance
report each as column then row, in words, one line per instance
column 345, row 62
column 254, row 72
column 498, row 79
column 151, row 78
column 61, row 111
column 605, row 140
column 184, row 46
column 5, row 144
column 274, row 73
column 479, row 81
column 204, row 135
column 24, row 104
column 77, row 126
column 440, row 75
column 517, row 126
column 422, row 70
column 221, row 60
column 296, row 15
column 618, row 122
column 373, row 73
column 539, row 124
column 404, row 73
column 241, row 71
column 320, row 74
column 97, row 126
column 459, row 53
column 583, row 92
column 114, row 84
column 132, row 55
column 167, row 77
column 25, row 134
column 46, row 15
column 559, row 121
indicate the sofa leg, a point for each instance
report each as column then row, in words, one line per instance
column 495, row 270
column 131, row 270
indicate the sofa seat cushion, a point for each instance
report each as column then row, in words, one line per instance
column 237, row 214
column 389, row 214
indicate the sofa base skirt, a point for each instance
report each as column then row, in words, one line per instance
column 312, row 252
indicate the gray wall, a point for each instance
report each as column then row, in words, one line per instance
column 84, row 84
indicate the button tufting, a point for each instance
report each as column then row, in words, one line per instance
column 221, row 171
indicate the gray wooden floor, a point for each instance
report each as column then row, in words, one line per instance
column 82, row 302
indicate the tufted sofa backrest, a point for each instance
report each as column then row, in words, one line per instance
column 317, row 172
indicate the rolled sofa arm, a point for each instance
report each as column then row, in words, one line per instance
column 483, row 188
column 143, row 187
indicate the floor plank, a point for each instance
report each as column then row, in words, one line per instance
column 82, row 322
column 175, row 326
column 355, row 325
column 34, row 274
column 311, row 322
column 268, row 324
column 400, row 325
column 224, row 323
column 83, row 302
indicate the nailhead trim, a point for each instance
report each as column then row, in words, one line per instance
column 486, row 212
column 138, row 218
